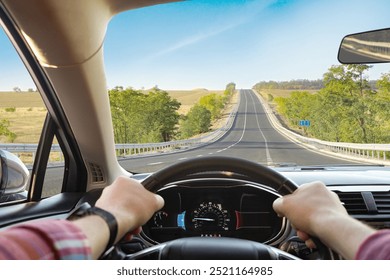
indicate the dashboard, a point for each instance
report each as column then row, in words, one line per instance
column 234, row 207
column 223, row 208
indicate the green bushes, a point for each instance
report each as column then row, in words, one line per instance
column 10, row 109
column 197, row 121
column 346, row 109
column 153, row 117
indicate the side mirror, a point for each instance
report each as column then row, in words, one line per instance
column 14, row 177
column 366, row 47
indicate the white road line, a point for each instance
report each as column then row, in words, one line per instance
column 267, row 153
column 243, row 130
column 155, row 163
column 184, row 158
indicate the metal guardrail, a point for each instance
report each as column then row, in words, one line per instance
column 128, row 150
column 172, row 146
column 372, row 153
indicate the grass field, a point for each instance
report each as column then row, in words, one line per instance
column 20, row 100
column 26, row 112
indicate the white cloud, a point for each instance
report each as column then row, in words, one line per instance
column 240, row 17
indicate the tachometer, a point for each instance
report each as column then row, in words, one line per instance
column 160, row 219
column 210, row 216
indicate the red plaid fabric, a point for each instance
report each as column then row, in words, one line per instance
column 44, row 239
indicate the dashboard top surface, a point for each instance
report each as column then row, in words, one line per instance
column 353, row 175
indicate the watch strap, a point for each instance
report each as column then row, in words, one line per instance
column 85, row 209
column 110, row 220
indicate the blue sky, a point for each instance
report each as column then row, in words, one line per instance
column 207, row 44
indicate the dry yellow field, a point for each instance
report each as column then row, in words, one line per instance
column 188, row 98
column 17, row 100
column 27, row 119
column 26, row 123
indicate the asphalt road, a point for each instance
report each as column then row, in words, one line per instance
column 251, row 137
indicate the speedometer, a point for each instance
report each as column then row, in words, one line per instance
column 210, row 216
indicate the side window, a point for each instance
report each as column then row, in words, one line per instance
column 22, row 118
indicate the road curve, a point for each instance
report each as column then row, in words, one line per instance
column 252, row 137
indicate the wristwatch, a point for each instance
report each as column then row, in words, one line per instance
column 85, row 209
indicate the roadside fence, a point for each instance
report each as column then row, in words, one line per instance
column 370, row 153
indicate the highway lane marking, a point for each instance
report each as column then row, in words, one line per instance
column 199, row 156
column 267, row 153
column 243, row 130
column 155, row 163
column 184, row 158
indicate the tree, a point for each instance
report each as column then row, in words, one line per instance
column 228, row 93
column 141, row 118
column 299, row 106
column 302, row 84
column 328, row 117
column 214, row 103
column 162, row 113
column 17, row 89
column 346, row 109
column 383, row 84
column 350, row 83
column 382, row 105
column 198, row 120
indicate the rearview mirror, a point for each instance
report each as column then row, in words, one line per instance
column 14, row 177
column 366, row 47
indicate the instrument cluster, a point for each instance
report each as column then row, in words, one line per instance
column 240, row 211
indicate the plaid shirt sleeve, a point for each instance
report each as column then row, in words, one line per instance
column 375, row 247
column 44, row 239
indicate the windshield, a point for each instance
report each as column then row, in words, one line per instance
column 258, row 80
column 252, row 79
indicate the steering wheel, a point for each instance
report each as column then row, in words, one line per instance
column 219, row 248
